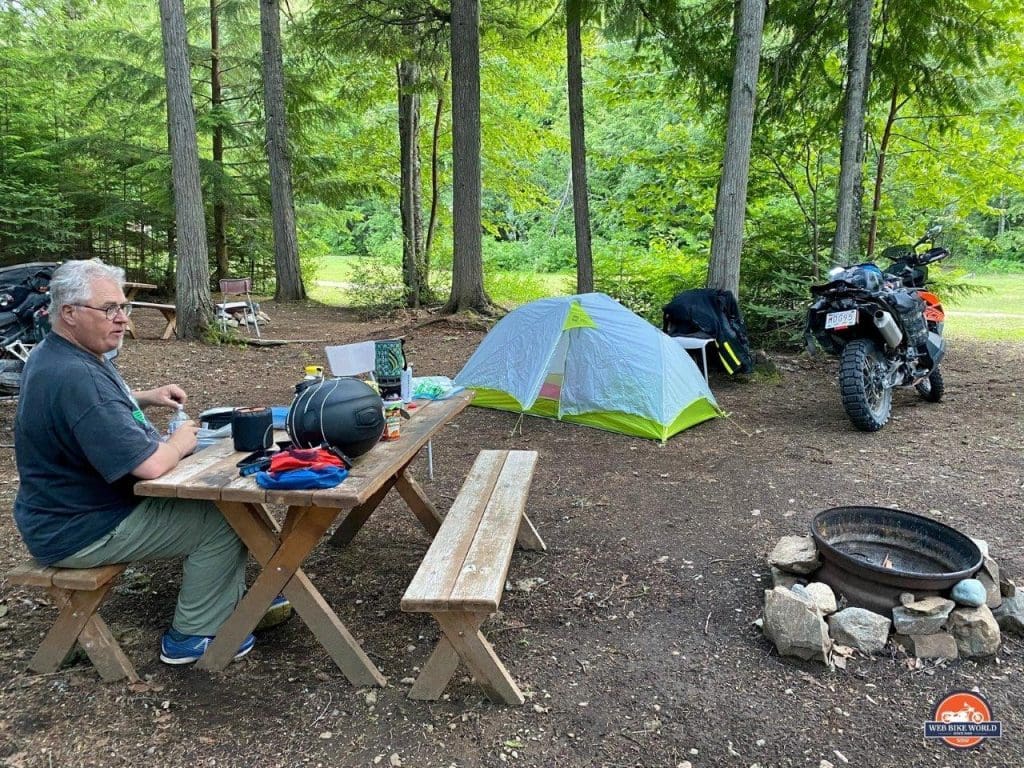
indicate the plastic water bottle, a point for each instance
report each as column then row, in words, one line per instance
column 179, row 418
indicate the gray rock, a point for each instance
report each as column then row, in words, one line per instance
column 796, row 554
column 906, row 598
column 908, row 622
column 823, row 597
column 993, row 598
column 1007, row 587
column 941, row 645
column 982, row 545
column 990, row 568
column 970, row 592
column 1010, row 615
column 930, row 606
column 975, row 630
column 785, row 579
column 860, row 628
column 793, row 624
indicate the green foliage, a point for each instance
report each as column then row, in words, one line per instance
column 84, row 166
column 377, row 284
column 645, row 279
column 511, row 288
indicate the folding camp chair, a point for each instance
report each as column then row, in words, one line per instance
column 240, row 287
column 375, row 358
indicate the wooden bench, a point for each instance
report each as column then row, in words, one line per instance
column 462, row 577
column 169, row 311
column 77, row 592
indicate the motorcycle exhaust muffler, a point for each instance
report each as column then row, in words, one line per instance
column 888, row 328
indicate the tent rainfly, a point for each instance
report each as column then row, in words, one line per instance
column 588, row 360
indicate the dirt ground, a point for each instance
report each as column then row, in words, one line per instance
column 635, row 644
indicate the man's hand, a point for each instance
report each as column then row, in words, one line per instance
column 167, row 396
column 184, row 439
column 180, row 444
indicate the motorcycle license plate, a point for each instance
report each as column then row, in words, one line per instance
column 840, row 319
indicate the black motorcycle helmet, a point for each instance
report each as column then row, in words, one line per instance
column 345, row 413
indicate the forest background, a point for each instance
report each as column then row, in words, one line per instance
column 85, row 168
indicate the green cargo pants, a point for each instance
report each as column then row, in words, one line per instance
column 213, row 579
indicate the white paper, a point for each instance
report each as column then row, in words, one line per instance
column 352, row 359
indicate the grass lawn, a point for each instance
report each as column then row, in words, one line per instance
column 508, row 289
column 995, row 314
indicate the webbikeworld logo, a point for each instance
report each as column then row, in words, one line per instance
column 963, row 719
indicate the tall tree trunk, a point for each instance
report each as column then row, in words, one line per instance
column 194, row 306
column 409, row 162
column 282, row 202
column 578, row 153
column 847, row 239
column 883, row 148
column 220, row 247
column 467, row 258
column 434, row 184
column 731, row 204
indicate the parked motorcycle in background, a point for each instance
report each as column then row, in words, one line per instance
column 885, row 329
column 24, row 317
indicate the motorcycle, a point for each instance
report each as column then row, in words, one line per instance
column 885, row 328
column 24, row 317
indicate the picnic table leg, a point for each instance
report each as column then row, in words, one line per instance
column 75, row 609
column 256, row 528
column 354, row 520
column 436, row 672
column 418, row 502
column 104, row 652
column 462, row 634
column 528, row 538
column 276, row 572
column 171, row 317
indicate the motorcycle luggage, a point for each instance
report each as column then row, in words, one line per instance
column 910, row 308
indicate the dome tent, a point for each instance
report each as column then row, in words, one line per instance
column 588, row 360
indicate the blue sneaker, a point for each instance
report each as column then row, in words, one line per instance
column 176, row 648
column 279, row 611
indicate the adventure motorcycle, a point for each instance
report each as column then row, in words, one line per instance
column 24, row 317
column 885, row 329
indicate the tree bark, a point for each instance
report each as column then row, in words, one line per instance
column 194, row 306
column 434, row 184
column 883, row 148
column 846, row 243
column 731, row 203
column 409, row 196
column 282, row 202
column 220, row 247
column 467, row 257
column 578, row 155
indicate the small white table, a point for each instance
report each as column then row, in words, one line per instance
column 696, row 342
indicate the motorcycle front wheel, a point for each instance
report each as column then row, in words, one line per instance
column 932, row 388
column 867, row 399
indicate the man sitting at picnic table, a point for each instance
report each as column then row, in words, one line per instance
column 81, row 443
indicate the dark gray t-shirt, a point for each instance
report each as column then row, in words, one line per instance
column 78, row 435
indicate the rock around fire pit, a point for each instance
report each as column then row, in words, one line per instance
column 870, row 575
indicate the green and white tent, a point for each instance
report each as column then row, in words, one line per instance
column 587, row 359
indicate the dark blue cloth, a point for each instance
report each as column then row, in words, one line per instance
column 300, row 479
column 78, row 435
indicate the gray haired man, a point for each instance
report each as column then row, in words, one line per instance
column 82, row 441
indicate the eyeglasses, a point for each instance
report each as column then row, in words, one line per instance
column 111, row 310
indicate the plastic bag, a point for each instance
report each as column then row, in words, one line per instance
column 434, row 388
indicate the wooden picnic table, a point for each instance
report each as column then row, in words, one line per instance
column 131, row 289
column 169, row 311
column 281, row 549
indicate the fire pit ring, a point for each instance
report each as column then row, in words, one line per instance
column 872, row 554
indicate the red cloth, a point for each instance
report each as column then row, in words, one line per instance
column 303, row 458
